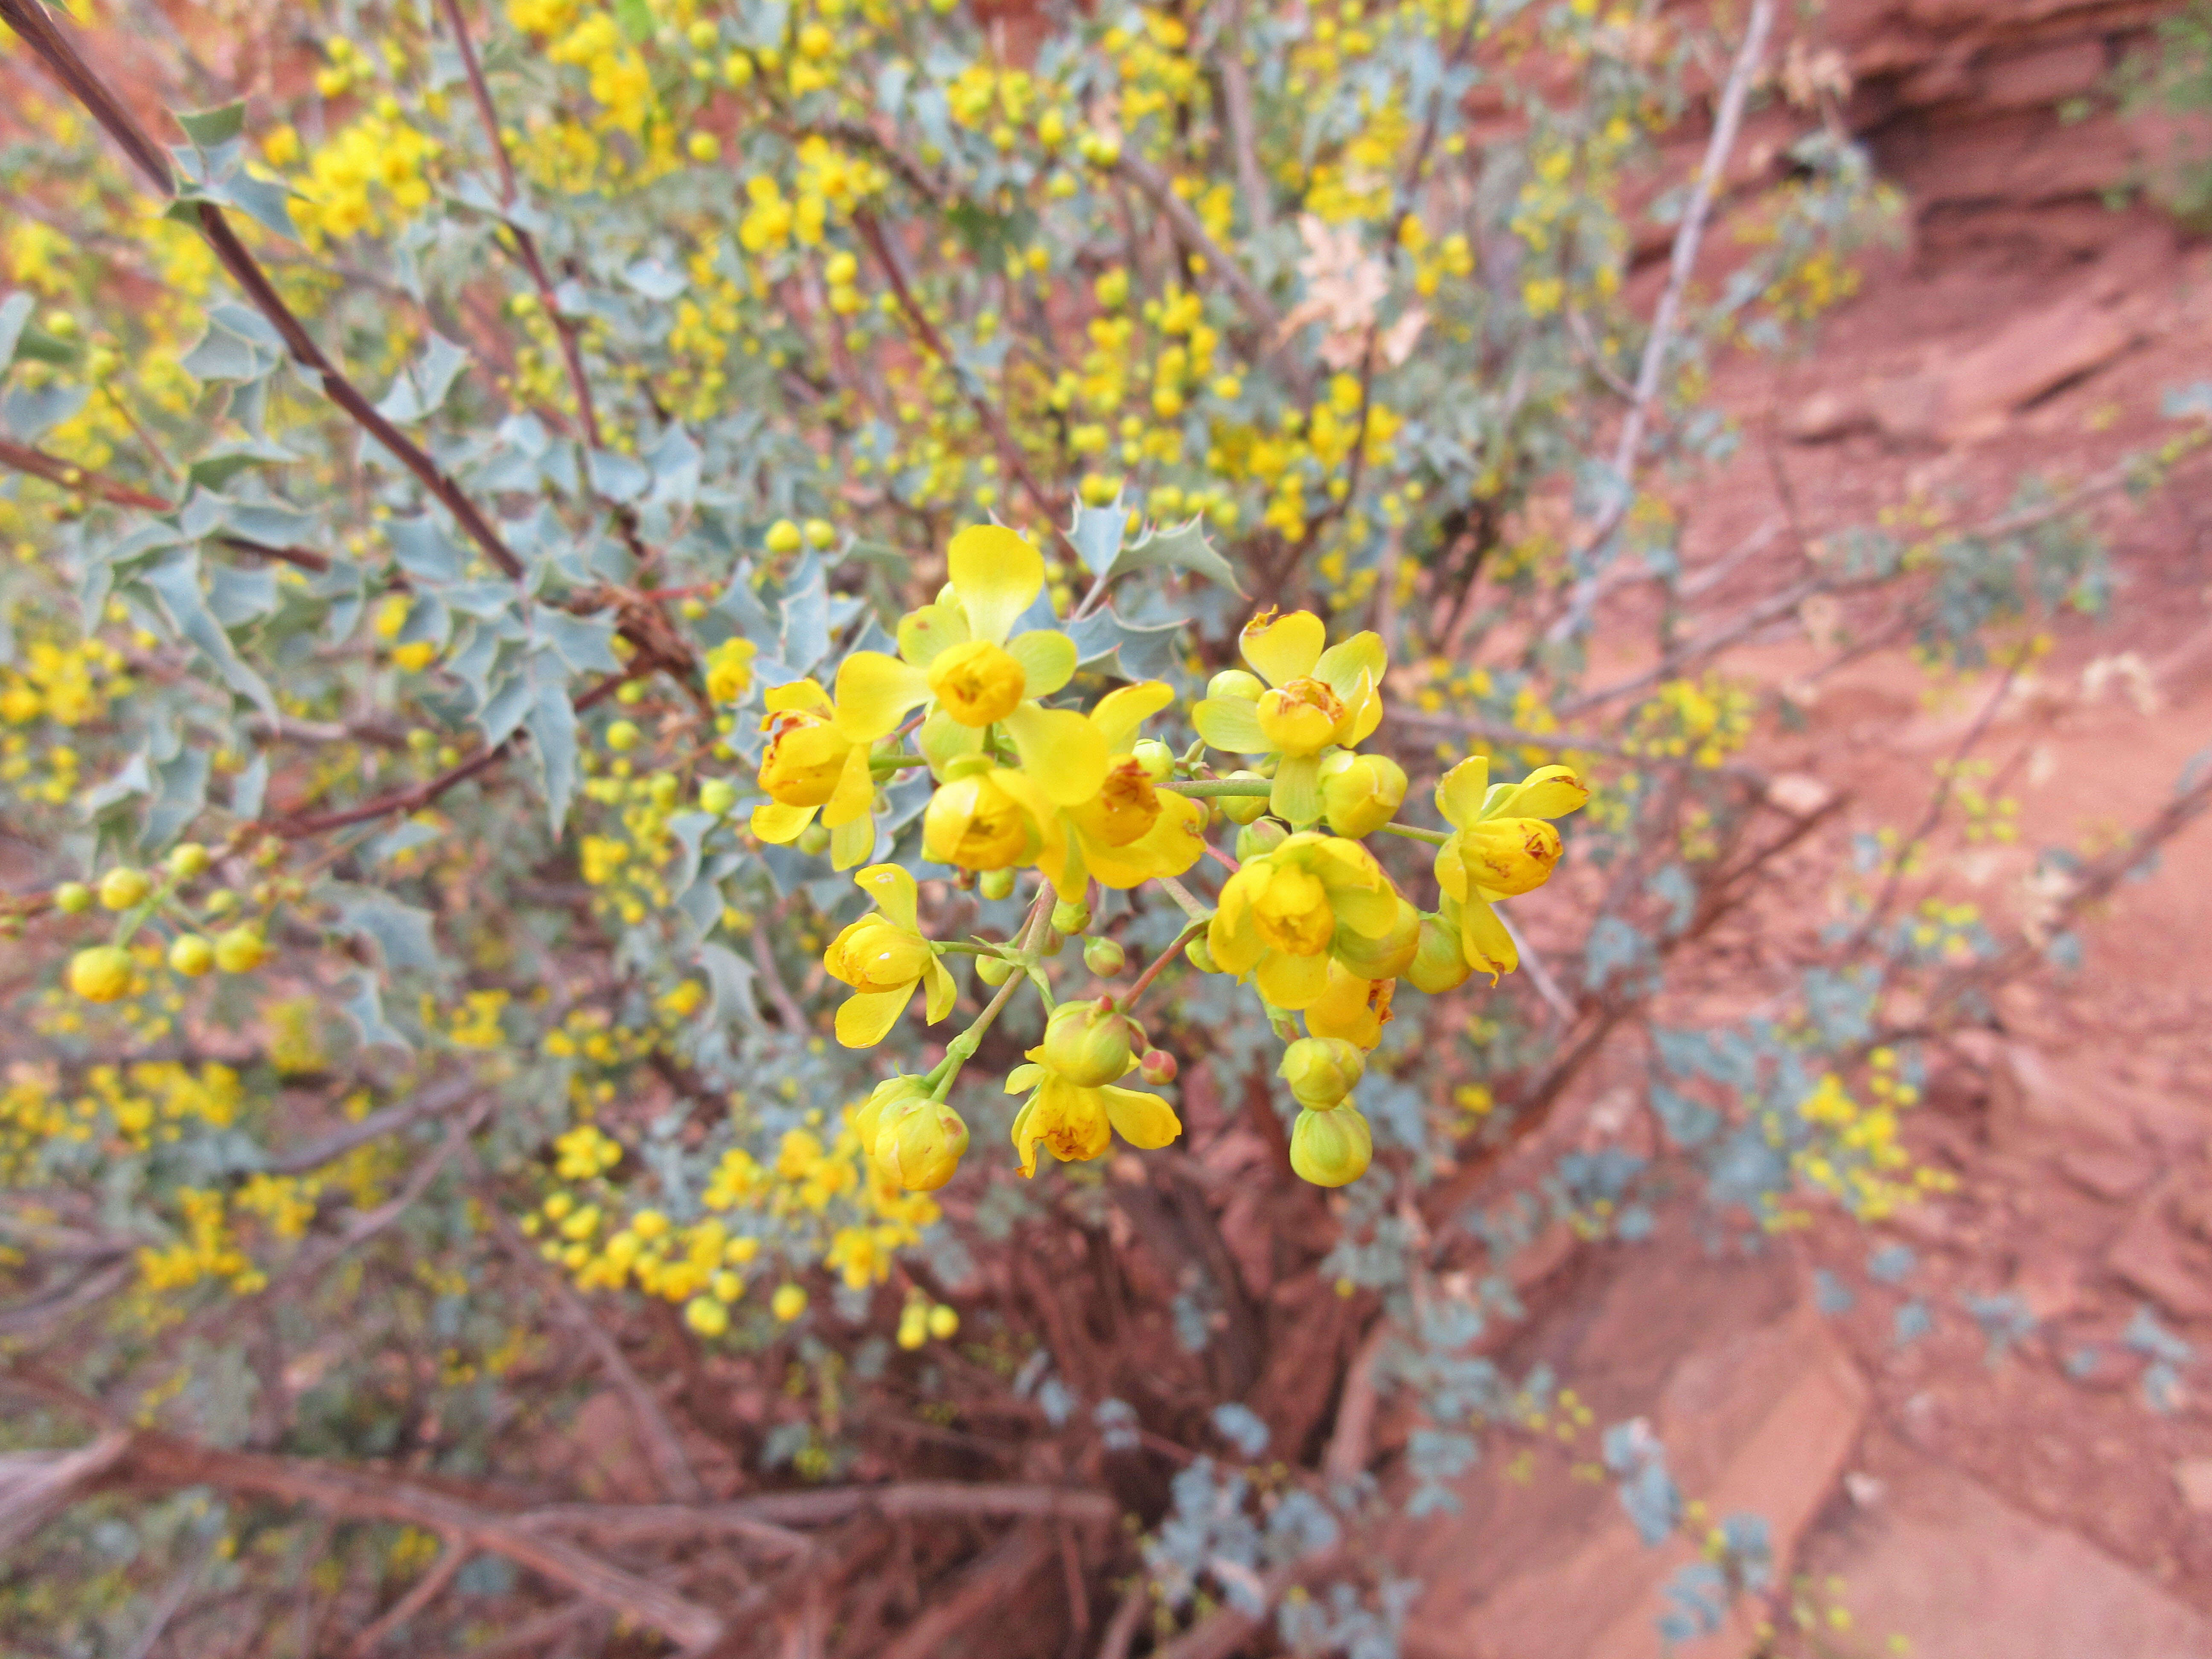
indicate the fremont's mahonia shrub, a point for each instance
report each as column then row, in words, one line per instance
column 622, row 625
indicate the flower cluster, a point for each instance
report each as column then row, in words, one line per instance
column 1307, row 915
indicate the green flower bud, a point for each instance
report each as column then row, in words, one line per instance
column 1236, row 683
column 72, row 898
column 123, row 887
column 192, row 955
column 661, row 791
column 1242, row 809
column 187, row 859
column 1071, row 918
column 1200, row 957
column 1439, row 963
column 1155, row 758
column 993, row 970
column 814, row 840
column 1385, row 957
column 1087, row 1043
column 996, row 884
column 1359, row 793
column 1103, row 957
column 1331, row 1148
column 1260, row 836
column 717, row 795
column 918, row 1144
column 1321, row 1071
column 1050, row 944
column 1157, row 1066
column 100, row 974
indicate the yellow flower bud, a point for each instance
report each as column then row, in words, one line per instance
column 944, row 1322
column 192, row 955
column 123, row 887
column 977, row 683
column 101, row 973
column 887, row 1098
column 187, row 859
column 1236, row 683
column 1071, row 918
column 1321, row 1071
column 788, row 1302
column 1104, row 957
column 820, row 533
column 72, row 898
column 1439, row 963
column 706, row 1316
column 783, row 537
column 1200, row 956
column 976, row 822
column 1087, row 1043
column 918, row 1144
column 621, row 737
column 1503, row 857
column 1360, row 792
column 996, row 884
column 993, row 970
column 1242, row 809
column 239, row 950
column 1331, row 1148
column 717, row 795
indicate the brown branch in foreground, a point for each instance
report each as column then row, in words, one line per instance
column 663, row 1449
column 905, row 1500
column 160, row 1460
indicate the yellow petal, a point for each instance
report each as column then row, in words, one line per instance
column 1230, row 723
column 863, row 1020
column 1065, row 863
column 941, row 990
column 855, row 793
column 1143, row 1120
column 894, row 892
column 1122, row 710
column 1362, row 714
column 1340, row 666
column 1489, row 947
column 851, row 843
column 773, row 821
column 794, row 694
column 1282, row 648
column 1549, row 791
column 1290, row 982
column 875, row 692
column 997, row 575
column 1061, row 749
column 1176, row 841
column 1048, row 660
column 924, row 633
column 1460, row 791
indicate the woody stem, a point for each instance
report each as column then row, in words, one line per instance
column 1159, row 962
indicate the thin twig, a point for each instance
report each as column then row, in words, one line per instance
column 423, row 1591
column 1258, row 309
column 1726, row 121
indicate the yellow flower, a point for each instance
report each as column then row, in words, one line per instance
column 883, row 957
column 730, row 669
column 1350, row 1007
column 1501, row 847
column 957, row 654
column 1130, row 831
column 1280, row 914
column 816, row 759
column 1076, row 1123
column 1315, row 700
column 990, row 817
column 1359, row 793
